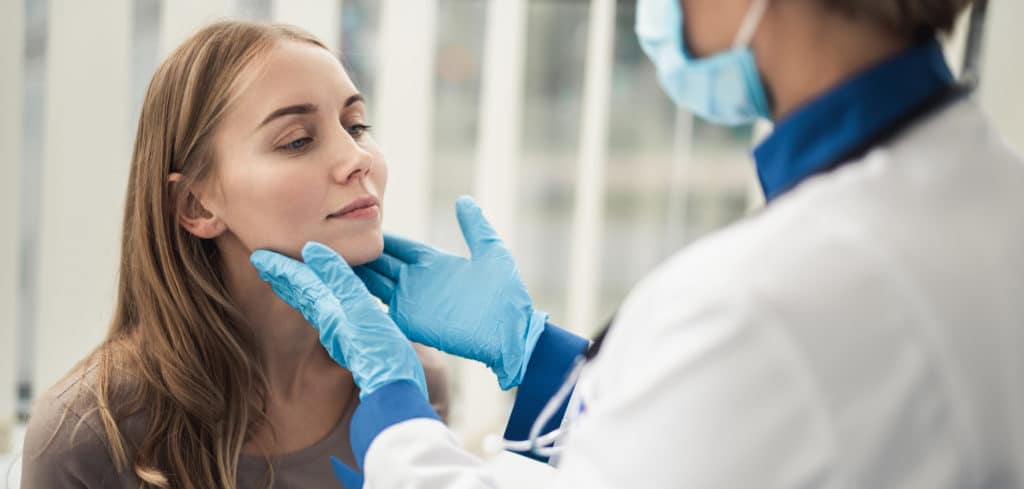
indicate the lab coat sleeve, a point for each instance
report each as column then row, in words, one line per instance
column 550, row 363
column 709, row 399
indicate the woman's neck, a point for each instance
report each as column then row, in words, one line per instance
column 290, row 347
column 804, row 50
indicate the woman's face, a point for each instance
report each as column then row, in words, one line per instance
column 294, row 161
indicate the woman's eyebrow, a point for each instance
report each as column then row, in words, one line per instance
column 290, row 110
column 353, row 99
column 304, row 109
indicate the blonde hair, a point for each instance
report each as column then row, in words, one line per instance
column 178, row 349
column 905, row 17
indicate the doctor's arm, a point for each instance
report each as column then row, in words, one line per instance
column 405, row 436
column 405, row 431
column 710, row 402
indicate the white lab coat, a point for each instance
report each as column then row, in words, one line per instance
column 866, row 330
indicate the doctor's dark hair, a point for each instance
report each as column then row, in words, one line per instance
column 908, row 17
column 178, row 350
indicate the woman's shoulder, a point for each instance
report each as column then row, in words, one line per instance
column 66, row 404
column 66, row 442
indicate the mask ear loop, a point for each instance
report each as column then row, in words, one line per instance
column 750, row 23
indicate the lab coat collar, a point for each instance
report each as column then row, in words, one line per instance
column 851, row 117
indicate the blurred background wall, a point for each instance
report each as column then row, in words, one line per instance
column 546, row 110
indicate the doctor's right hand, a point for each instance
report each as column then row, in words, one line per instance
column 475, row 308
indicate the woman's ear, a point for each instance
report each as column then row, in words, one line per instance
column 193, row 216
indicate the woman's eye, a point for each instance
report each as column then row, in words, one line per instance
column 297, row 145
column 357, row 130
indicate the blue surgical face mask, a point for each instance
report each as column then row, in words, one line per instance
column 724, row 88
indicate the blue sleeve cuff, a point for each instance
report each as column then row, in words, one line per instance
column 550, row 363
column 387, row 406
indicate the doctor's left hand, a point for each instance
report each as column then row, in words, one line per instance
column 353, row 327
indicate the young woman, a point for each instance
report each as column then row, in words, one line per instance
column 251, row 136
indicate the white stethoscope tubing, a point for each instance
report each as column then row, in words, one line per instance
column 536, row 443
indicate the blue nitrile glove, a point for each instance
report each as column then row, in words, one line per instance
column 354, row 329
column 474, row 308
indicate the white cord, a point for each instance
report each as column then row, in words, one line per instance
column 536, row 443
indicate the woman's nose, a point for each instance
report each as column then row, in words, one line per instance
column 352, row 161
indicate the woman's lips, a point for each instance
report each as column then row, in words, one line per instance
column 360, row 213
column 361, row 208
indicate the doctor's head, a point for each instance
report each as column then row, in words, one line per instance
column 734, row 61
column 711, row 25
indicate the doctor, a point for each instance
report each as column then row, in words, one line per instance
column 865, row 330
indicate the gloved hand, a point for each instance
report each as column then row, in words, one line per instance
column 476, row 308
column 354, row 329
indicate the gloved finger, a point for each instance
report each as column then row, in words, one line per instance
column 480, row 236
column 388, row 266
column 348, row 477
column 332, row 270
column 297, row 285
column 288, row 277
column 274, row 264
column 404, row 249
column 379, row 285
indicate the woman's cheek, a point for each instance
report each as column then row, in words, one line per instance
column 284, row 213
column 379, row 173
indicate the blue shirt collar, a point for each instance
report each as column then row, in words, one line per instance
column 832, row 128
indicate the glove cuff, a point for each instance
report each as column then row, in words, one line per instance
column 511, row 375
column 538, row 321
column 387, row 406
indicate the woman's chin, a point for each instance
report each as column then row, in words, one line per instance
column 359, row 251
